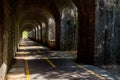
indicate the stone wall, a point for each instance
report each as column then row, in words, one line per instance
column 1, row 37
column 7, row 37
column 107, row 39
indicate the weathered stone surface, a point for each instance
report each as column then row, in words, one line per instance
column 107, row 40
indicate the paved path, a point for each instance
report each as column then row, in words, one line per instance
column 37, row 62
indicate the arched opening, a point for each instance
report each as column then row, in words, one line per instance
column 51, row 32
column 69, row 24
column 51, row 29
column 25, row 35
column 44, row 33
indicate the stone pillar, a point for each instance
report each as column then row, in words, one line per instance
column 39, row 33
column 47, row 32
column 86, row 31
column 41, row 40
column 57, row 34
column 1, row 33
column 34, row 35
column 36, row 29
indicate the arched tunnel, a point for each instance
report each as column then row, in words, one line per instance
column 58, row 39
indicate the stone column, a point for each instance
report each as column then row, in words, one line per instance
column 57, row 34
column 1, row 32
column 47, row 32
column 41, row 40
column 36, row 34
column 86, row 31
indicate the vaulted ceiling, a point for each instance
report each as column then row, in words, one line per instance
column 37, row 11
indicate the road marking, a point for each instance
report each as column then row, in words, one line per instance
column 27, row 70
column 90, row 71
column 50, row 62
column 26, row 66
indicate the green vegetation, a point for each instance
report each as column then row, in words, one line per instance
column 25, row 34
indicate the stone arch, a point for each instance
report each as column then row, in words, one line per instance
column 27, row 27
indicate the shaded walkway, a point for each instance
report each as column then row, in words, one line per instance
column 37, row 62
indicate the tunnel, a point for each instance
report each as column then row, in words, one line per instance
column 33, row 29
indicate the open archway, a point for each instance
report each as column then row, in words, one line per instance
column 25, row 35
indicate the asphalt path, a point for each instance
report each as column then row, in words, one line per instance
column 42, row 64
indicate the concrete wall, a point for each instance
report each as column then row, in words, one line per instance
column 107, row 39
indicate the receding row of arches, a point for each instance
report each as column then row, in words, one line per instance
column 53, row 33
column 60, row 24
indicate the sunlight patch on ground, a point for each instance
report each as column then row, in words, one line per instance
column 32, row 47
